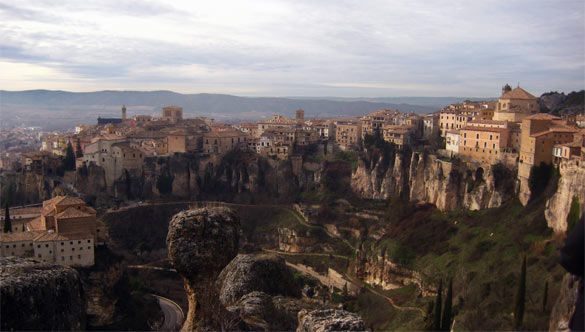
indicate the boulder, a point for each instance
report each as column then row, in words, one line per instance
column 329, row 320
column 264, row 273
column 37, row 296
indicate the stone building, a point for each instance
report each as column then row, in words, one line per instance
column 399, row 135
column 115, row 157
column 41, row 162
column 217, row 142
column 452, row 141
column 483, row 144
column 430, row 125
column 65, row 233
column 172, row 114
column 539, row 134
column 348, row 133
column 514, row 105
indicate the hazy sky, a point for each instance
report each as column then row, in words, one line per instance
column 294, row 48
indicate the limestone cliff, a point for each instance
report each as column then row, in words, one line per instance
column 571, row 183
column 381, row 271
column 233, row 176
column 38, row 296
column 426, row 178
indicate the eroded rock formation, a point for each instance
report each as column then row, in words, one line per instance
column 38, row 296
column 571, row 184
column 263, row 272
column 329, row 320
column 450, row 185
column 201, row 243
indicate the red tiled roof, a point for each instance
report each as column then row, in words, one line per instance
column 488, row 129
column 517, row 93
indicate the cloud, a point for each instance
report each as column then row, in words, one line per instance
column 278, row 47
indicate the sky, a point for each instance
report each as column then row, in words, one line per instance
column 294, row 48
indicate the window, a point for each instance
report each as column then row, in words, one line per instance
column 71, row 258
column 38, row 246
column 79, row 242
column 23, row 245
column 62, row 250
column 72, row 249
column 88, row 241
column 491, row 137
column 88, row 247
column 62, row 243
column 62, row 258
column 477, row 136
column 50, row 251
column 79, row 256
column 46, row 245
column 71, row 242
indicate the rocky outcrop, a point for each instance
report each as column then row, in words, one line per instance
column 38, row 296
column 564, row 307
column 329, row 320
column 247, row 273
column 292, row 240
column 449, row 185
column 201, row 243
column 571, row 184
column 379, row 270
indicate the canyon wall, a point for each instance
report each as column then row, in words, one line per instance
column 571, row 184
column 422, row 177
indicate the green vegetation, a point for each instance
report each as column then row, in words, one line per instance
column 520, row 297
column 7, row 222
column 539, row 178
column 574, row 214
column 69, row 161
column 447, row 309
column 437, row 310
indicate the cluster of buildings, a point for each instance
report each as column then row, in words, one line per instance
column 121, row 145
column 64, row 230
column 510, row 130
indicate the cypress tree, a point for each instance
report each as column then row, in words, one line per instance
column 447, row 315
column 78, row 151
column 545, row 297
column 520, row 297
column 69, row 162
column 437, row 313
column 7, row 222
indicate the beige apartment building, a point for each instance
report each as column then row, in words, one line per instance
column 539, row 134
column 65, row 233
column 483, row 144
column 222, row 141
column 348, row 133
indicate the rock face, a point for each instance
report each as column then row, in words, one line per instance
column 329, row 320
column 291, row 240
column 563, row 308
column 571, row 183
column 449, row 185
column 37, row 296
column 379, row 270
column 264, row 273
column 201, row 243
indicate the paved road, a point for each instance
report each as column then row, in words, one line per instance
column 172, row 312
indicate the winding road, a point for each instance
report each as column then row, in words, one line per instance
column 172, row 312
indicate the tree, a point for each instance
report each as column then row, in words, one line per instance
column 447, row 309
column 545, row 297
column 69, row 162
column 7, row 221
column 437, row 313
column 574, row 214
column 520, row 297
column 78, row 150
column 539, row 178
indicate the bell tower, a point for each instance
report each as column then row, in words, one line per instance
column 123, row 112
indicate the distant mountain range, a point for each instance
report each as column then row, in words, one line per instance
column 64, row 109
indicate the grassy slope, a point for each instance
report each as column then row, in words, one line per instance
column 482, row 252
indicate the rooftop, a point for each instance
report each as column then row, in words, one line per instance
column 517, row 93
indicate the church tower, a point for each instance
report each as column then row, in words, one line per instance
column 123, row 112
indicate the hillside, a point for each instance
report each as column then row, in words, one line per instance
column 45, row 107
